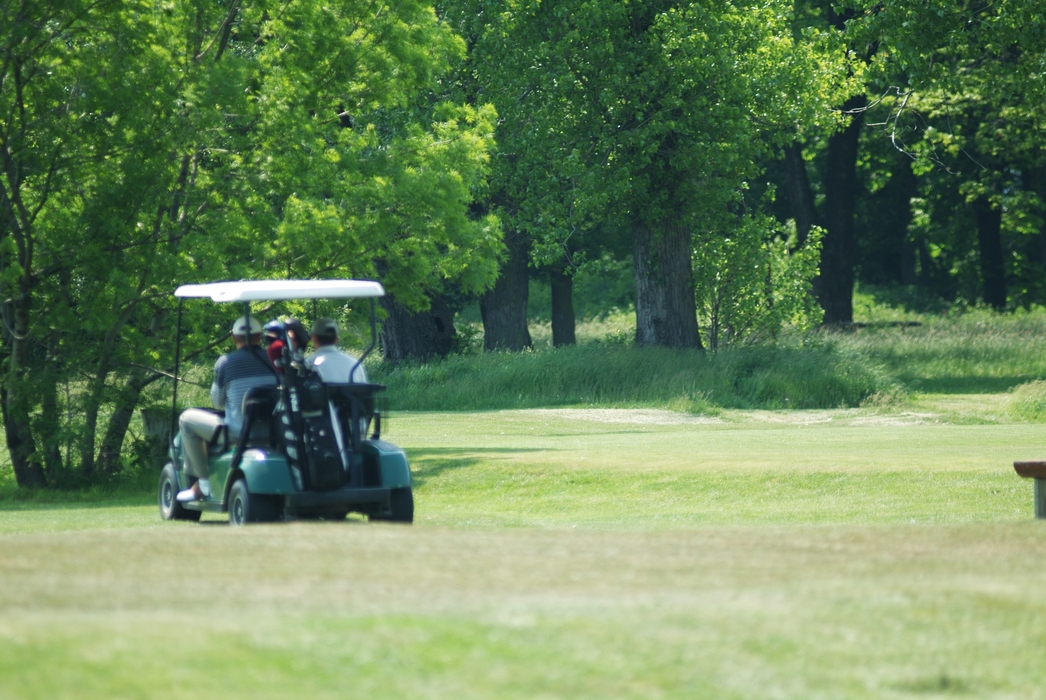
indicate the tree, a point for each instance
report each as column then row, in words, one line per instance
column 969, row 78
column 144, row 146
column 649, row 115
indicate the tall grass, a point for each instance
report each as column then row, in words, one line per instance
column 1028, row 401
column 978, row 351
column 817, row 376
column 890, row 351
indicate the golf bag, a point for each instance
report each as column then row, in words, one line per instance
column 307, row 429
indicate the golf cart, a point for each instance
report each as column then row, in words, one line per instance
column 303, row 451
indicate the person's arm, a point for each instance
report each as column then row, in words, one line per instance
column 360, row 375
column 218, row 385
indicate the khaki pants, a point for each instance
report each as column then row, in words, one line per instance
column 198, row 428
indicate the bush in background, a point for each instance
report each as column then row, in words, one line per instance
column 1028, row 401
column 755, row 281
column 815, row 375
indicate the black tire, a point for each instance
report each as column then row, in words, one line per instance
column 246, row 507
column 170, row 508
column 401, row 507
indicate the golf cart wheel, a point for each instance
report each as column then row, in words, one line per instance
column 401, row 507
column 170, row 508
column 246, row 507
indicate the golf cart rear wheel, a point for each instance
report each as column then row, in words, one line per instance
column 170, row 508
column 246, row 507
column 401, row 507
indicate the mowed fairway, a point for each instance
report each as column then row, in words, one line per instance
column 570, row 554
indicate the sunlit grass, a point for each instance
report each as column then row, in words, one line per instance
column 566, row 554
column 342, row 611
column 975, row 352
column 711, row 551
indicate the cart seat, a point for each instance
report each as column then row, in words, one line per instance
column 259, row 404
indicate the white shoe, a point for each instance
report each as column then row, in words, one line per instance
column 192, row 493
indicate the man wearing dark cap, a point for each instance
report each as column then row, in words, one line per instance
column 234, row 374
column 333, row 364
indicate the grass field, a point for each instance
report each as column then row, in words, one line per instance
column 571, row 553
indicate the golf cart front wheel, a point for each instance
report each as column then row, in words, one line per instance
column 170, row 508
column 401, row 507
column 246, row 507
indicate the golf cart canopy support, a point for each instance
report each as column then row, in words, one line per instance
column 277, row 290
column 246, row 291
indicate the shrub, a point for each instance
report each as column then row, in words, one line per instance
column 813, row 376
column 1028, row 401
column 750, row 283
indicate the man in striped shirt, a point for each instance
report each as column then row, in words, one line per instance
column 234, row 374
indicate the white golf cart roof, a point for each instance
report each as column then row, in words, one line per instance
column 275, row 290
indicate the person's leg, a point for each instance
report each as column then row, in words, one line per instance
column 198, row 427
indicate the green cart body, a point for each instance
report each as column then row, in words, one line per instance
column 255, row 480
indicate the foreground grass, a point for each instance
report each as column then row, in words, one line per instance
column 569, row 554
column 333, row 612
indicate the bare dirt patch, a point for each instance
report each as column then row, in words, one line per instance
column 634, row 416
column 839, row 416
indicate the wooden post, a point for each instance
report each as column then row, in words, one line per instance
column 1035, row 471
column 1040, row 498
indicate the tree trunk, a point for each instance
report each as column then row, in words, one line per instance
column 666, row 312
column 156, row 427
column 91, row 407
column 1036, row 182
column 836, row 283
column 922, row 250
column 409, row 335
column 50, row 422
column 108, row 461
column 903, row 186
column 989, row 239
column 908, row 257
column 800, row 195
column 127, row 399
column 563, row 321
column 28, row 470
column 15, row 400
column 95, row 395
column 504, row 307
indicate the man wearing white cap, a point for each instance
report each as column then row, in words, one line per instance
column 234, row 373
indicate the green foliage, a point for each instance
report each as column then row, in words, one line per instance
column 962, row 85
column 889, row 358
column 1028, row 401
column 602, row 287
column 148, row 145
column 752, row 282
column 925, row 39
column 614, row 113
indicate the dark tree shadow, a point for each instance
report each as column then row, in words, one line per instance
column 966, row 385
column 427, row 463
